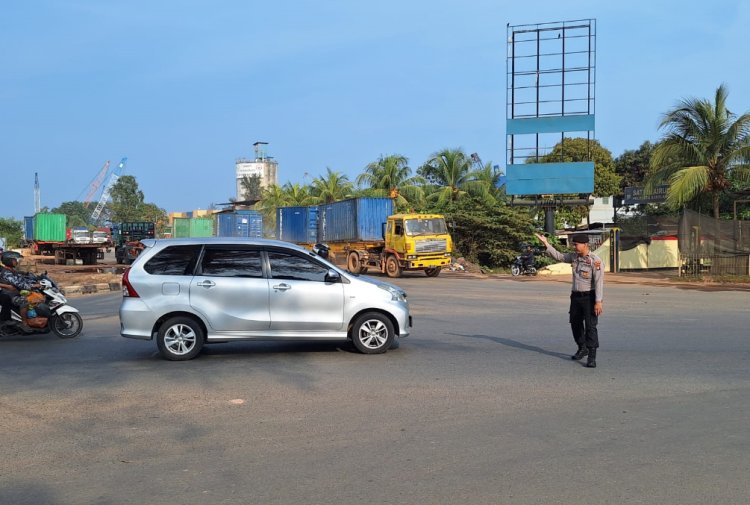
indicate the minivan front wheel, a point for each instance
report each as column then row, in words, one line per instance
column 180, row 338
column 372, row 333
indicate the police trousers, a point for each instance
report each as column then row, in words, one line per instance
column 583, row 321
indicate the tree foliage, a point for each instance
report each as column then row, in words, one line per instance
column 705, row 147
column 77, row 212
column 489, row 236
column 633, row 165
column 251, row 187
column 12, row 230
column 332, row 187
column 390, row 176
column 128, row 204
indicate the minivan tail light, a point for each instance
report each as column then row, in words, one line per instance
column 127, row 288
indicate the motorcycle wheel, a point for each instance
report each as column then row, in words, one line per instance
column 66, row 325
column 515, row 270
column 531, row 271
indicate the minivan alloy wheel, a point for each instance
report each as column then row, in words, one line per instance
column 180, row 338
column 372, row 333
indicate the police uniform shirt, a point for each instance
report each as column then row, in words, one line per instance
column 588, row 271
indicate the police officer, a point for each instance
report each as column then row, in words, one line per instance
column 586, row 299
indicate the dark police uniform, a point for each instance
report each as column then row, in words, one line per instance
column 588, row 289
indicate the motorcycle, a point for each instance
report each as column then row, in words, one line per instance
column 51, row 315
column 519, row 267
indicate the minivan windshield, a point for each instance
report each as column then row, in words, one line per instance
column 427, row 226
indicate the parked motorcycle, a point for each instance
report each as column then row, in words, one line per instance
column 52, row 315
column 519, row 268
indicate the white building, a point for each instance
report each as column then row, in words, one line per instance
column 263, row 166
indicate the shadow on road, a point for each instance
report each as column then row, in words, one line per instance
column 517, row 345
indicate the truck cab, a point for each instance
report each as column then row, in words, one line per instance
column 416, row 242
column 78, row 235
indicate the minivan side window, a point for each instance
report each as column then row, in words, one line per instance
column 231, row 262
column 174, row 260
column 293, row 267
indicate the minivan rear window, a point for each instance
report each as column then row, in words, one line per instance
column 174, row 260
column 231, row 262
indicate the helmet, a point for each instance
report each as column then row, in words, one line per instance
column 321, row 250
column 9, row 256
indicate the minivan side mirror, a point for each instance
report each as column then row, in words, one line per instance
column 333, row 276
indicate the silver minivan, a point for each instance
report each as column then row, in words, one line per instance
column 189, row 292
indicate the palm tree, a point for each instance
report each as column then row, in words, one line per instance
column 298, row 195
column 485, row 182
column 390, row 176
column 333, row 187
column 704, row 148
column 272, row 197
column 450, row 170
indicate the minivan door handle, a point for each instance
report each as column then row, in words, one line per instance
column 282, row 287
column 206, row 284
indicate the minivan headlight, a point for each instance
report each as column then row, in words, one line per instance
column 397, row 295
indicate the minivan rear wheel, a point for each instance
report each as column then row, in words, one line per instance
column 180, row 338
column 372, row 333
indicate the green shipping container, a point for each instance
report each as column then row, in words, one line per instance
column 50, row 227
column 201, row 227
column 181, row 227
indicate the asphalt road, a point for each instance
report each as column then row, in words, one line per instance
column 480, row 405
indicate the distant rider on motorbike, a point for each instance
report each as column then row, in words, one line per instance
column 13, row 282
column 527, row 257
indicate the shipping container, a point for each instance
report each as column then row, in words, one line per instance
column 247, row 224
column 201, row 227
column 185, row 227
column 50, row 227
column 181, row 227
column 28, row 228
column 292, row 224
column 353, row 220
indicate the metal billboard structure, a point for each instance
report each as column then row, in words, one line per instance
column 550, row 96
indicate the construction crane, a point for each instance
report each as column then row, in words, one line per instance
column 105, row 193
column 96, row 183
column 37, row 194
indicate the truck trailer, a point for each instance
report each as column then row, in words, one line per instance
column 364, row 234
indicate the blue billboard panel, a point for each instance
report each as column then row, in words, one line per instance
column 550, row 178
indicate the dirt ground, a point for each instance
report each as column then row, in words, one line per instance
column 73, row 275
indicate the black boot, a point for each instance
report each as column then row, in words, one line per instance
column 591, row 363
column 582, row 353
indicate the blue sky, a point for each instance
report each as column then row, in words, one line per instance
column 183, row 88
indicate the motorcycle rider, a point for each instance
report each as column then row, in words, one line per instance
column 12, row 282
column 527, row 258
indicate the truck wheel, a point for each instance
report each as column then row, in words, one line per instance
column 392, row 268
column 433, row 272
column 352, row 262
column 372, row 333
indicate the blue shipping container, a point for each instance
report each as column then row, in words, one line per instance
column 354, row 220
column 28, row 228
column 291, row 224
column 311, row 225
column 247, row 224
